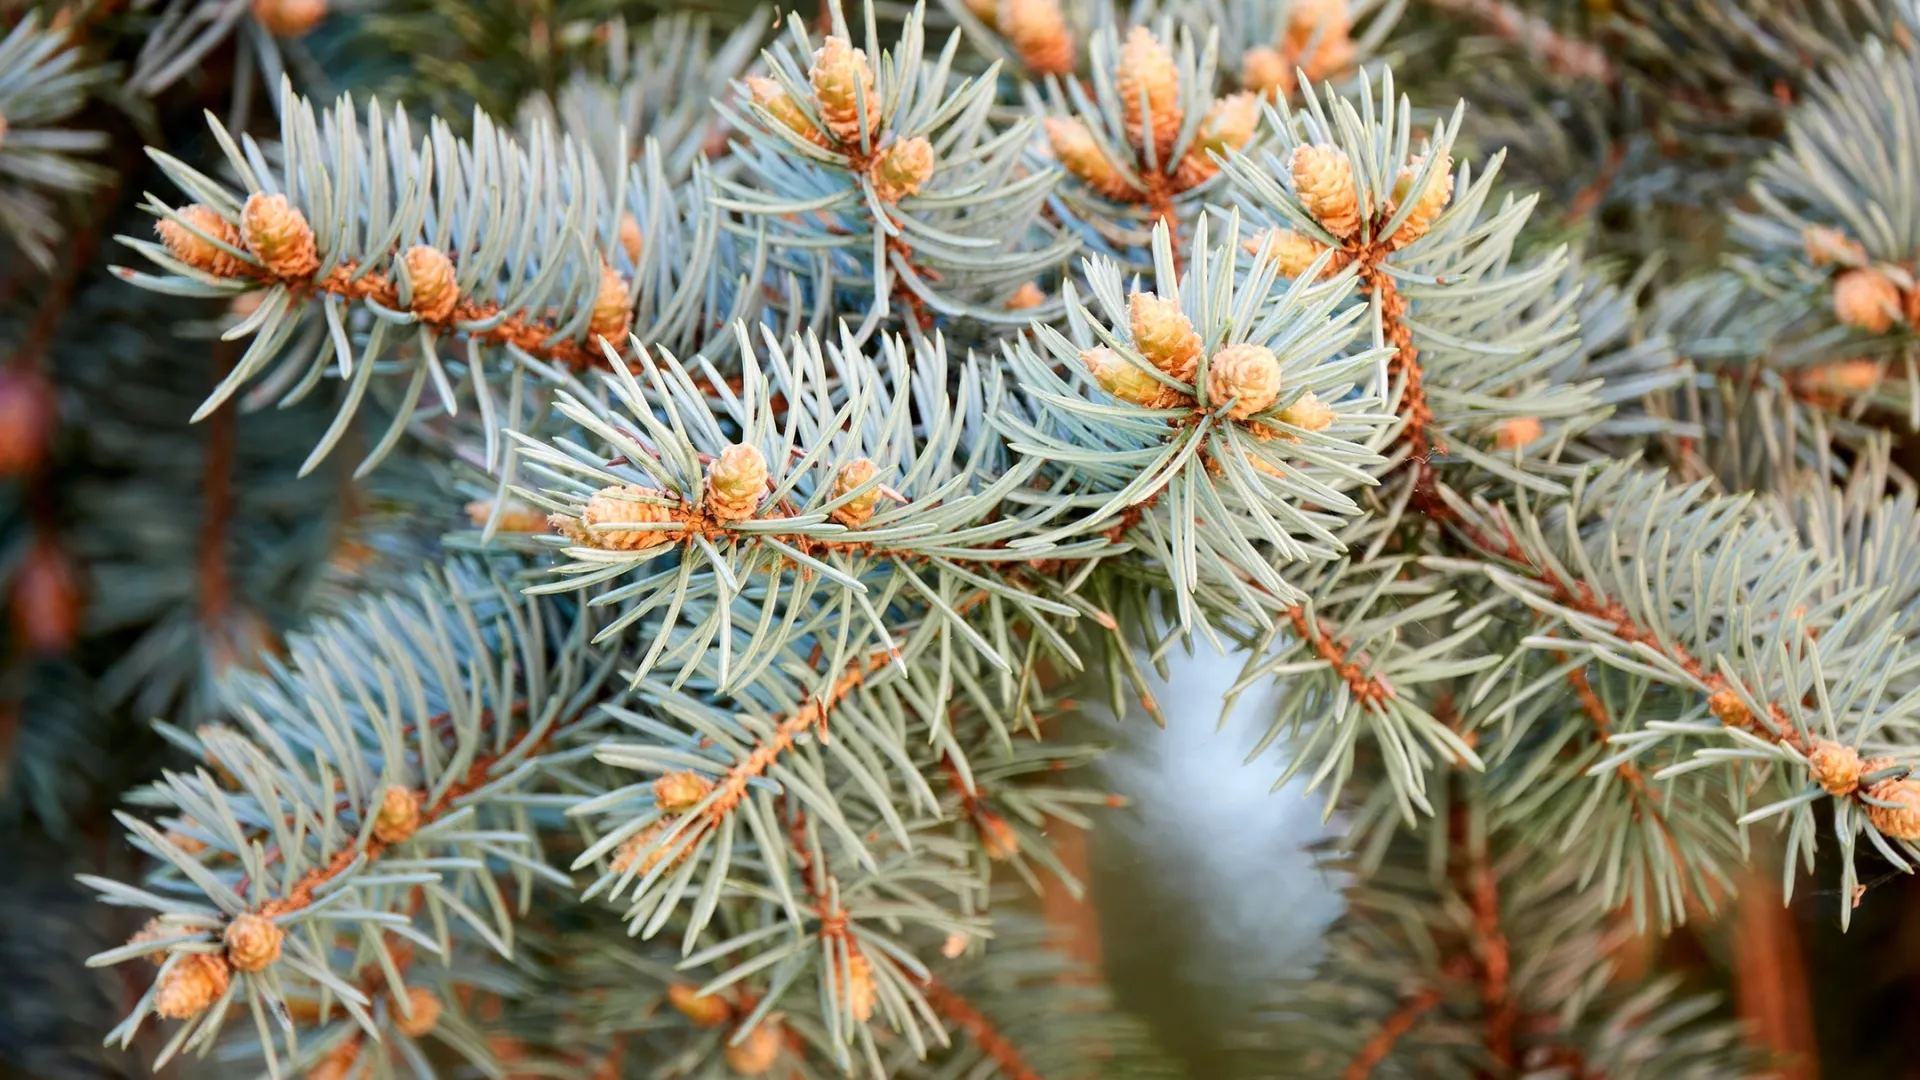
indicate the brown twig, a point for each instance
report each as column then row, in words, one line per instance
column 530, row 335
column 1638, row 792
column 733, row 787
column 981, row 1030
column 1397, row 1025
column 1350, row 666
column 216, row 592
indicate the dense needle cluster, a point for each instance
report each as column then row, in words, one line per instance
column 763, row 442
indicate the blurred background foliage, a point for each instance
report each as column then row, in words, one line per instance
column 141, row 557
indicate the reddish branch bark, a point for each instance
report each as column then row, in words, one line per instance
column 1397, row 1025
column 977, row 1027
column 1349, row 665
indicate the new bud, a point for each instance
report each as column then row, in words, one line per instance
column 195, row 982
column 736, row 482
column 1292, row 253
column 1866, row 299
column 1246, row 374
column 1077, row 152
column 900, row 169
column 1149, row 88
column 1308, row 413
column 1427, row 205
column 1039, row 34
column 279, row 236
column 1323, row 180
column 1164, row 335
column 617, row 506
column 193, row 248
column 430, row 275
column 253, row 942
column 842, row 85
column 858, row 511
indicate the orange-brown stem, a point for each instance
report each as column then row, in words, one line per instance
column 1349, row 665
column 1404, row 364
column 529, row 335
column 1381, row 1044
column 1645, row 806
column 733, row 787
column 975, row 1025
column 217, row 485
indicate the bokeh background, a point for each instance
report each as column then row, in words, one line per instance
column 142, row 557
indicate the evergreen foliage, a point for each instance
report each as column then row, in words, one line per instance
column 583, row 531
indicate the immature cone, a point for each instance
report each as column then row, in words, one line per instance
column 900, row 169
column 631, row 241
column 955, row 944
column 1866, row 299
column 679, row 792
column 253, row 942
column 1323, row 179
column 196, row 982
column 1333, row 52
column 338, row 1062
column 1025, row 297
column 27, row 413
column 768, row 95
column 1039, row 34
column 1147, row 73
column 194, row 250
column 842, row 82
column 617, row 506
column 1840, row 376
column 736, row 482
column 1306, row 17
column 154, row 930
column 289, row 18
column 430, row 273
column 1249, row 374
column 1228, row 126
column 1128, row 382
column 629, row 855
column 278, row 235
column 758, row 1052
column 1292, row 253
column 1517, row 431
column 398, row 817
column 1826, row 246
column 858, row 511
column 1428, row 204
column 425, row 1007
column 1074, row 147
column 1900, row 821
column 1163, row 335
column 515, row 518
column 1836, row 767
column 860, row 993
column 244, row 305
column 997, row 837
column 1265, row 72
column 186, row 842
column 611, row 314
column 1726, row 707
column 46, row 599
column 705, row 1010
column 1308, row 412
